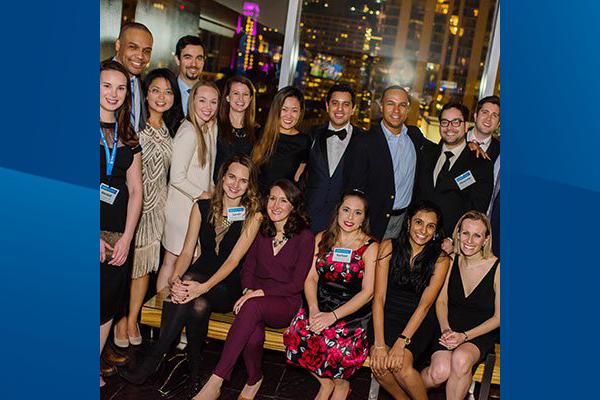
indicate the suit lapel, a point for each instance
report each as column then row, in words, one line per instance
column 460, row 165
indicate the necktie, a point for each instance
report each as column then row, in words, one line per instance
column 446, row 167
column 342, row 133
column 134, row 105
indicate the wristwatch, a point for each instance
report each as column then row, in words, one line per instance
column 406, row 339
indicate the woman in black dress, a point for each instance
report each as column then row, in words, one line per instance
column 282, row 150
column 237, row 125
column 120, row 191
column 226, row 225
column 410, row 273
column 468, row 308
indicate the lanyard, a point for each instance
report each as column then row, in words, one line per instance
column 110, row 156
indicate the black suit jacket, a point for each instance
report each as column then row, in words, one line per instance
column 453, row 201
column 373, row 172
column 322, row 191
column 494, row 149
column 141, row 124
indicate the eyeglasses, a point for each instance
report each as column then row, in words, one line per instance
column 455, row 122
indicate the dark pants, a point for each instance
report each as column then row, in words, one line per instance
column 247, row 333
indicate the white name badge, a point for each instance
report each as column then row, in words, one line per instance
column 108, row 194
column 236, row 214
column 341, row 254
column 465, row 180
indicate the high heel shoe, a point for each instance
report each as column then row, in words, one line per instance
column 259, row 383
column 141, row 374
column 122, row 343
column 136, row 340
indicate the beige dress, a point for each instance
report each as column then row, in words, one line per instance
column 187, row 182
column 157, row 147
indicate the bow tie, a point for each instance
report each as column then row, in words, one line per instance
column 342, row 133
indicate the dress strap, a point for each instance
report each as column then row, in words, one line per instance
column 365, row 246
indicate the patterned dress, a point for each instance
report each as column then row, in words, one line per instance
column 340, row 350
column 157, row 147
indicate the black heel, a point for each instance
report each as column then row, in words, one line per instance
column 141, row 374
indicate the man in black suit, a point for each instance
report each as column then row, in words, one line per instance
column 390, row 155
column 451, row 176
column 333, row 147
column 133, row 50
column 487, row 120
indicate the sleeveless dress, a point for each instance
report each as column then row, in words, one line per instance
column 114, row 280
column 465, row 313
column 401, row 301
column 290, row 151
column 339, row 351
column 157, row 147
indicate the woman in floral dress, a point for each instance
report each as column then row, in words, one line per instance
column 329, row 337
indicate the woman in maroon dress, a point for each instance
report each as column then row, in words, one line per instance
column 330, row 337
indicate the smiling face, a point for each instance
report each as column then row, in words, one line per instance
column 235, row 181
column 206, row 102
column 113, row 89
column 340, row 109
column 394, row 107
column 290, row 114
column 472, row 236
column 487, row 120
column 278, row 205
column 351, row 214
column 422, row 228
column 453, row 136
column 191, row 62
column 160, row 95
column 239, row 97
column 134, row 50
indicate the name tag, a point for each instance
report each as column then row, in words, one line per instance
column 236, row 214
column 341, row 254
column 108, row 194
column 464, row 180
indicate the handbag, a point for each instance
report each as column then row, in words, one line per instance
column 111, row 238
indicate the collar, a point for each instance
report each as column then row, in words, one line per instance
column 471, row 138
column 347, row 127
column 182, row 84
column 456, row 151
column 389, row 135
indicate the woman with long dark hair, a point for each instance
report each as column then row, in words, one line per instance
column 163, row 102
column 410, row 273
column 468, row 308
column 120, row 191
column 272, row 278
column 237, row 124
column 226, row 226
column 282, row 151
column 329, row 337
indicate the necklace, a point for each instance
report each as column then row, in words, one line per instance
column 239, row 133
column 278, row 242
column 224, row 223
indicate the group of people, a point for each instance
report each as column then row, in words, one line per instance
column 346, row 238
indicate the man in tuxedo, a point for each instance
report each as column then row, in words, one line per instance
column 333, row 147
column 451, row 176
column 190, row 57
column 133, row 51
column 390, row 155
column 487, row 120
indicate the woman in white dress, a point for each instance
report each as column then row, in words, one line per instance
column 192, row 165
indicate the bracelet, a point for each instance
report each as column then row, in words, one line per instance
column 334, row 314
column 378, row 347
column 466, row 336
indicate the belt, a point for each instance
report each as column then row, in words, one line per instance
column 396, row 213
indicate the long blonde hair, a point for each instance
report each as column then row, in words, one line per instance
column 266, row 145
column 201, row 127
column 486, row 250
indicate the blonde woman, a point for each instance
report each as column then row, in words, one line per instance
column 468, row 308
column 192, row 165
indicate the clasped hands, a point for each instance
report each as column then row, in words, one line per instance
column 318, row 321
column 451, row 339
column 384, row 359
column 185, row 291
column 120, row 251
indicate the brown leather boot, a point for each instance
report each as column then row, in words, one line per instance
column 114, row 357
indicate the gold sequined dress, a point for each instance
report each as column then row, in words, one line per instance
column 157, row 147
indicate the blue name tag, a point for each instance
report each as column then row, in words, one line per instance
column 236, row 214
column 464, row 180
column 341, row 254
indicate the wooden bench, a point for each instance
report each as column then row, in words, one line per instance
column 219, row 325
